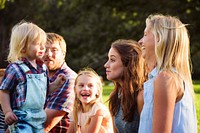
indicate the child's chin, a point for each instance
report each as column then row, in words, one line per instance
column 40, row 57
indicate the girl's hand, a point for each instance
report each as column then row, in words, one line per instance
column 10, row 118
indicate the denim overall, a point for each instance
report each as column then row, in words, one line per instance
column 31, row 115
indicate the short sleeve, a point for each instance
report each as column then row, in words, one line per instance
column 9, row 79
column 98, row 106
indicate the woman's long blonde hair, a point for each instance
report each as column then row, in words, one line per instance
column 22, row 34
column 172, row 45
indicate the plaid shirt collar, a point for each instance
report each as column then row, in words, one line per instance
column 38, row 62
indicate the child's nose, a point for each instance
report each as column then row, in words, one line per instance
column 86, row 87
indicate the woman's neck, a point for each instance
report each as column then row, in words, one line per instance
column 151, row 65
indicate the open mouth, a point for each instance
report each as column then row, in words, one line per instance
column 41, row 53
column 85, row 95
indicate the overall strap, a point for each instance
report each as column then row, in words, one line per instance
column 24, row 67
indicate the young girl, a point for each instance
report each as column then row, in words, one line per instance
column 90, row 115
column 24, row 85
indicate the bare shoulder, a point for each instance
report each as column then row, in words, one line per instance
column 167, row 84
column 163, row 76
column 165, row 79
column 100, row 112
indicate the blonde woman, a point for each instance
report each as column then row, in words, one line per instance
column 90, row 115
column 24, row 85
column 168, row 103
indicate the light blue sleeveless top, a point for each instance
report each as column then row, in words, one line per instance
column 184, row 120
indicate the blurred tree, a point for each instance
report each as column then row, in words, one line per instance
column 2, row 4
column 89, row 27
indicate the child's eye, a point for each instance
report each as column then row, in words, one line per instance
column 81, row 85
column 90, row 85
column 37, row 44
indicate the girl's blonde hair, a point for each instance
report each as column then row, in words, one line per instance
column 77, row 103
column 22, row 34
column 172, row 45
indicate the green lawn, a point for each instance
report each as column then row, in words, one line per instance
column 107, row 89
column 197, row 101
column 106, row 92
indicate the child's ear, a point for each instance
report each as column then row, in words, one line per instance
column 64, row 53
column 97, row 95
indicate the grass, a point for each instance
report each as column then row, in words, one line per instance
column 106, row 92
column 197, row 101
column 108, row 88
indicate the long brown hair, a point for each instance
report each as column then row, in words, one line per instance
column 134, row 75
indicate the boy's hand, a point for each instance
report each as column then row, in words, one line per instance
column 60, row 80
column 10, row 118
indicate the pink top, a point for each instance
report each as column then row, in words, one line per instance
column 106, row 125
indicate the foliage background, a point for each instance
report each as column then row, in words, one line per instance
column 90, row 26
